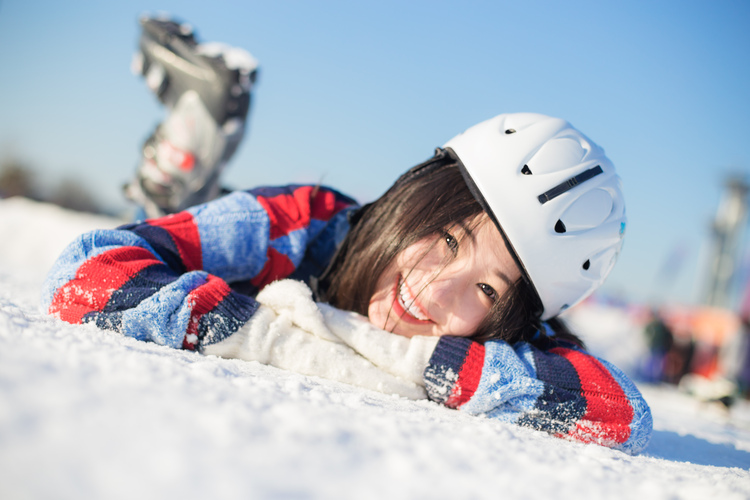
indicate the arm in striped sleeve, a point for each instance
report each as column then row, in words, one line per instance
column 562, row 390
column 175, row 280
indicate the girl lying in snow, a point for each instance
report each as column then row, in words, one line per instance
column 462, row 268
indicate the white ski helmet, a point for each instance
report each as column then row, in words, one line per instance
column 554, row 196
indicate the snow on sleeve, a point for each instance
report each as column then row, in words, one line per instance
column 563, row 390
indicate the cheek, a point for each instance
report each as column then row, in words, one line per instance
column 373, row 313
column 425, row 257
column 465, row 322
column 377, row 310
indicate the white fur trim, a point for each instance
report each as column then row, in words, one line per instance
column 292, row 332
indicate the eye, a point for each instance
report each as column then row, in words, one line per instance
column 488, row 291
column 451, row 242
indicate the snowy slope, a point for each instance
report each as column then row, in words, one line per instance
column 88, row 414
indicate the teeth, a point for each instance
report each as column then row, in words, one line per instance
column 407, row 301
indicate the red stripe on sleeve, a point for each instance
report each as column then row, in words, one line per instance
column 277, row 266
column 203, row 300
column 289, row 212
column 325, row 205
column 96, row 280
column 184, row 232
column 608, row 412
column 286, row 213
column 468, row 378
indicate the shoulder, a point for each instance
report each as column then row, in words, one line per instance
column 298, row 193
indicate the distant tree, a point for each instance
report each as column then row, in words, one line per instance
column 72, row 195
column 16, row 179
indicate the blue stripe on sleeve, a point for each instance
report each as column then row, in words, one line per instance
column 508, row 384
column 163, row 318
column 561, row 399
column 80, row 250
column 234, row 233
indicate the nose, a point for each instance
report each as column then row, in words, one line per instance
column 449, row 294
column 441, row 294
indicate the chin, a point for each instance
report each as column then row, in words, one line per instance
column 405, row 329
column 404, row 332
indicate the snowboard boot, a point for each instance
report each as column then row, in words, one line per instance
column 206, row 89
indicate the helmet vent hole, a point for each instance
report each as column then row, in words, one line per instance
column 510, row 131
column 586, row 265
column 560, row 227
column 526, row 170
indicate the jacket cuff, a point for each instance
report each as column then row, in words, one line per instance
column 454, row 371
column 216, row 317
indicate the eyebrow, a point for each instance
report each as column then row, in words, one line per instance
column 504, row 277
column 466, row 229
column 463, row 225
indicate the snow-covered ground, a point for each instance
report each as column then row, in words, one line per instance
column 87, row 414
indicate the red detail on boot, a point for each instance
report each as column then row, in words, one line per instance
column 188, row 161
column 184, row 160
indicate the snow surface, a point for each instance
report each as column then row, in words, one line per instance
column 88, row 414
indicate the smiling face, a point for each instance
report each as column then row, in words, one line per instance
column 444, row 284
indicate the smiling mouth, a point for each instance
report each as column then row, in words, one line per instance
column 407, row 303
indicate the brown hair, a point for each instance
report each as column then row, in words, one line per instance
column 424, row 202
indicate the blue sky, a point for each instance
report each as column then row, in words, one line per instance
column 354, row 93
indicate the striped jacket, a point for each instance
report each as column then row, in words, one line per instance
column 188, row 280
